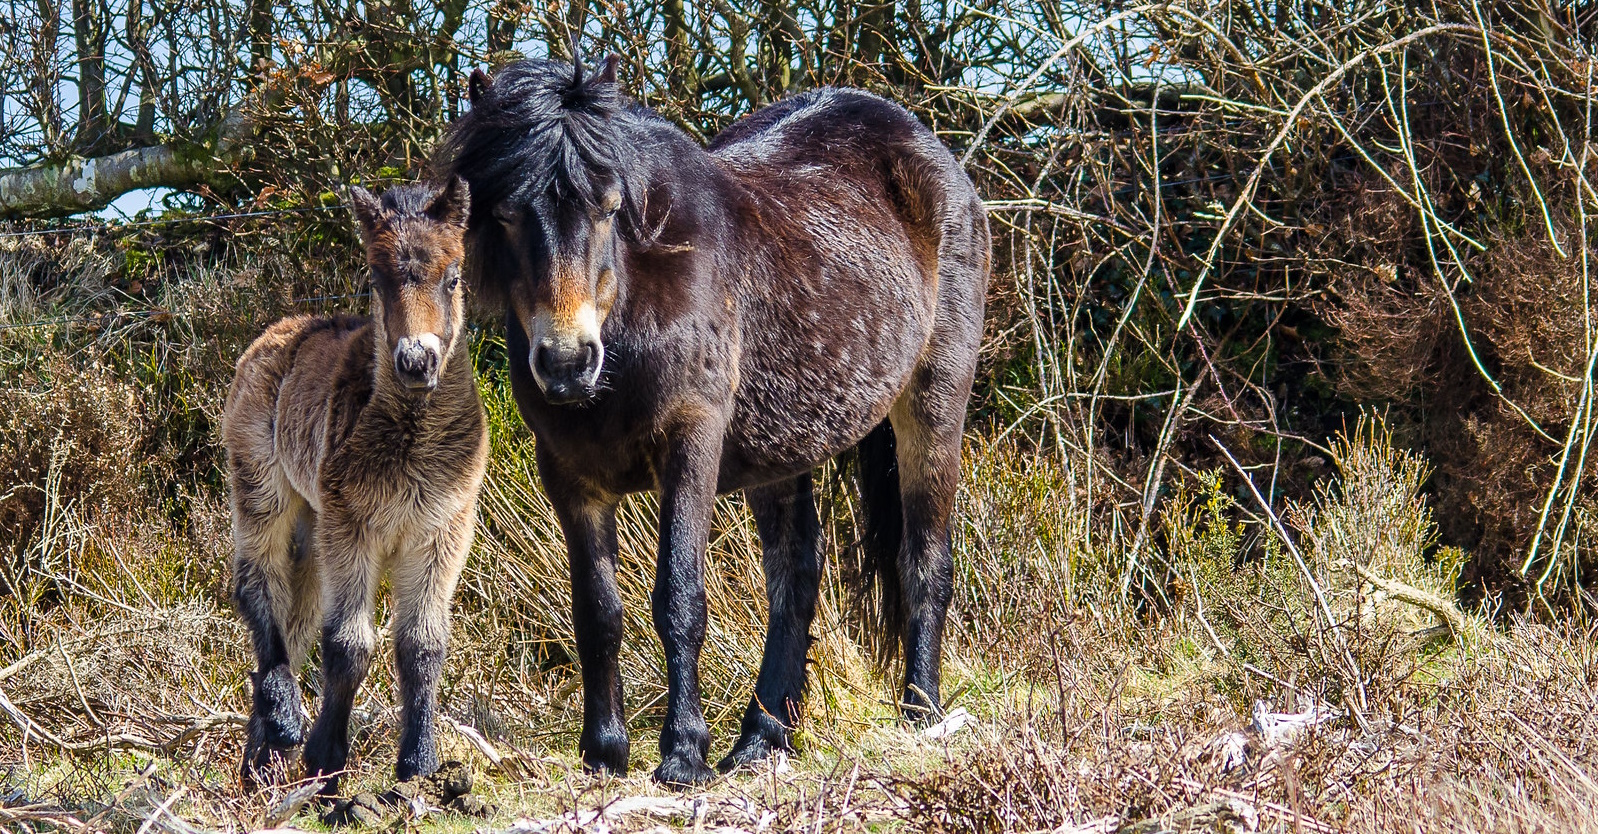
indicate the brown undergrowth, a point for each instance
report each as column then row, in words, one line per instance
column 1301, row 672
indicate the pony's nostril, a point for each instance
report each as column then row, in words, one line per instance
column 542, row 362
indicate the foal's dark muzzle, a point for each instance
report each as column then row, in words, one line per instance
column 416, row 363
column 567, row 370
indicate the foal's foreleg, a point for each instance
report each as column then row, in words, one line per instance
column 350, row 568
column 688, row 491
column 425, row 576
column 588, row 521
column 785, row 514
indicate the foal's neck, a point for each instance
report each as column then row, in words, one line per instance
column 443, row 404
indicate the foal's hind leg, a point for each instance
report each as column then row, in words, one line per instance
column 928, row 421
column 785, row 514
column 349, row 564
column 424, row 583
column 271, row 599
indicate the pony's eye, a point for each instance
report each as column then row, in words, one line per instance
column 507, row 216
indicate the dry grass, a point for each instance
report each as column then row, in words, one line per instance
column 1112, row 689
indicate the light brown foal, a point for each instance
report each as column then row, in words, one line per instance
column 357, row 446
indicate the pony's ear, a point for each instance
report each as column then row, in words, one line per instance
column 477, row 86
column 607, row 75
column 452, row 203
column 577, row 65
column 368, row 211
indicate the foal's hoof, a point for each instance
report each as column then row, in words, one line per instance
column 683, row 772
column 268, row 752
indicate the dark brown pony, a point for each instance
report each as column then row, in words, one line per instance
column 692, row 320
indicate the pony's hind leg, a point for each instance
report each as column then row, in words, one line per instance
column 268, row 595
column 424, row 583
column 348, row 560
column 303, row 616
column 927, row 432
column 785, row 514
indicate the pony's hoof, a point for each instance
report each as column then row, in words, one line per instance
column 683, row 772
column 266, row 764
column 748, row 752
column 605, row 752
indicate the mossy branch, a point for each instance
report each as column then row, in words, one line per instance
column 1445, row 610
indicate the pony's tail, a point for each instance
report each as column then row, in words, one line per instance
column 878, row 594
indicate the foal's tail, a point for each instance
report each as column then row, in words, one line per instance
column 878, row 595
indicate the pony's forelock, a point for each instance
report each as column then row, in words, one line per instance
column 539, row 125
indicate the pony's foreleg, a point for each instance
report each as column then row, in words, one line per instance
column 349, row 567
column 425, row 576
column 928, row 435
column 785, row 514
column 265, row 593
column 687, row 494
column 588, row 522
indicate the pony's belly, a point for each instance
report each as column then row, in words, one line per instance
column 788, row 426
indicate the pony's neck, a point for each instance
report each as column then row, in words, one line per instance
column 678, row 165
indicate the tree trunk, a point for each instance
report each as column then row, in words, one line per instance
column 89, row 33
column 681, row 80
column 76, row 185
column 260, row 37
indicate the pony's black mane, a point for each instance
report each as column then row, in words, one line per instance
column 540, row 125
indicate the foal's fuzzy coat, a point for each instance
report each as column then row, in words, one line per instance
column 358, row 445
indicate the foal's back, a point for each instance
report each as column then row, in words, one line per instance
column 295, row 390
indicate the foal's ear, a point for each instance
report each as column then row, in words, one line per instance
column 477, row 86
column 452, row 203
column 607, row 75
column 368, row 211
